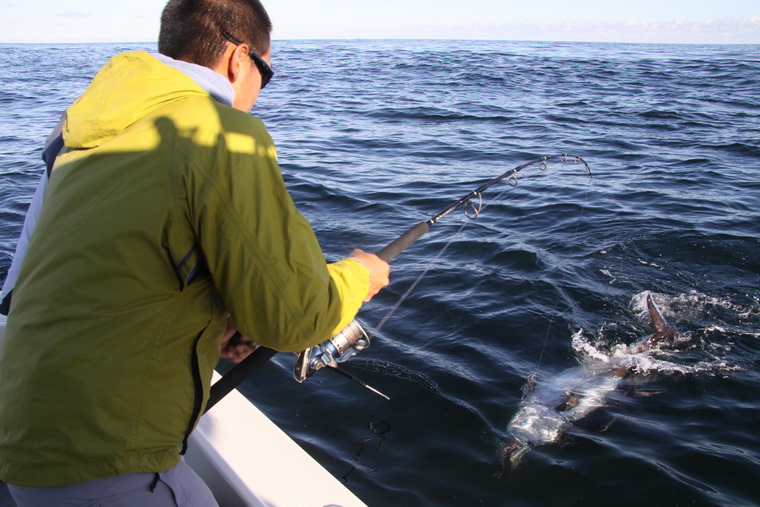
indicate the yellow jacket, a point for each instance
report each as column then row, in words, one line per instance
column 166, row 211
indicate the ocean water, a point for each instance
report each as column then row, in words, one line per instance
column 376, row 136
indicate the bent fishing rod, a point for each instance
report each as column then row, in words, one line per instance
column 353, row 338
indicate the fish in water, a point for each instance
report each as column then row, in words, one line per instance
column 549, row 408
column 664, row 335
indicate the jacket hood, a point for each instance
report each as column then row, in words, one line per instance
column 127, row 88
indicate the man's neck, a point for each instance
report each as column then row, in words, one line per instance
column 214, row 83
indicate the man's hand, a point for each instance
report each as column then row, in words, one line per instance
column 379, row 271
column 234, row 346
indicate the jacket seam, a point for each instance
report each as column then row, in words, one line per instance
column 197, row 392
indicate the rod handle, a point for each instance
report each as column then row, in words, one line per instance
column 239, row 373
column 403, row 242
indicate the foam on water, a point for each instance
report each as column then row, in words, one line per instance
column 689, row 355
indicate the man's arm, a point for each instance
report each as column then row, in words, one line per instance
column 264, row 257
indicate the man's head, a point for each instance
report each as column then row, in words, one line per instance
column 231, row 37
column 193, row 30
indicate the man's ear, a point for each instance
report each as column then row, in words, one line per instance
column 236, row 62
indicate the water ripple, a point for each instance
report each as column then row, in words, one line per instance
column 383, row 134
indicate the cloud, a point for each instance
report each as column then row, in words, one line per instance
column 74, row 14
column 724, row 31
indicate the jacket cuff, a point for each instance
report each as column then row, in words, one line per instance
column 351, row 277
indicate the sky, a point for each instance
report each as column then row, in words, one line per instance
column 658, row 21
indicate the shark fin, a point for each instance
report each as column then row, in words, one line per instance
column 657, row 318
column 664, row 330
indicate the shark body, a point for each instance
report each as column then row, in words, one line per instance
column 552, row 406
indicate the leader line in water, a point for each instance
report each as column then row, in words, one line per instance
column 353, row 338
column 471, row 211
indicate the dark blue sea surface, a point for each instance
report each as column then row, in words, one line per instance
column 376, row 136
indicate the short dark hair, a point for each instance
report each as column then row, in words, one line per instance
column 191, row 30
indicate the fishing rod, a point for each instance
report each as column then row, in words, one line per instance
column 405, row 240
column 353, row 339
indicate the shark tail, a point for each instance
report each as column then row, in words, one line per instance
column 518, row 454
column 513, row 452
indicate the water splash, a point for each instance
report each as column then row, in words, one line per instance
column 703, row 346
column 621, row 354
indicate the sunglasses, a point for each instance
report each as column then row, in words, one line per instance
column 261, row 64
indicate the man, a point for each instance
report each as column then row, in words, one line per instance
column 164, row 219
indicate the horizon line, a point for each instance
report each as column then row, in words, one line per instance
column 461, row 39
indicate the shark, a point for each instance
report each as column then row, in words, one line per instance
column 548, row 409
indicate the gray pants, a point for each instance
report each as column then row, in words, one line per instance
column 178, row 487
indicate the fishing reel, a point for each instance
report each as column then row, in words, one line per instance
column 341, row 347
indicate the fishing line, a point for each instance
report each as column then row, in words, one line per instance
column 533, row 374
column 472, row 212
column 353, row 338
column 430, row 265
column 418, row 280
